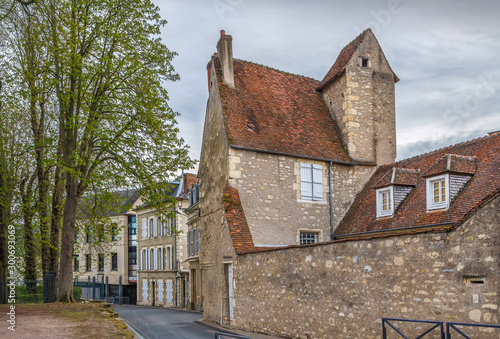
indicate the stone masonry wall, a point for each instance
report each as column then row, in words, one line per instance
column 362, row 103
column 342, row 290
column 269, row 188
column 215, row 243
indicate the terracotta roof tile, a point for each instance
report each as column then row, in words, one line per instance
column 453, row 163
column 237, row 223
column 272, row 110
column 399, row 176
column 481, row 188
column 189, row 180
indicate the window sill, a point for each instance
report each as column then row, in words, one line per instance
column 317, row 202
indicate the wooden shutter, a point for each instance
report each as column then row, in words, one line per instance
column 144, row 227
column 317, row 172
column 306, row 185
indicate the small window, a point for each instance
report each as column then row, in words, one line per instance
column 89, row 234
column 88, row 262
column 114, row 261
column 114, row 233
column 437, row 192
column 365, row 62
column 101, row 262
column 308, row 238
column 311, row 182
column 385, row 202
column 76, row 263
column 474, row 280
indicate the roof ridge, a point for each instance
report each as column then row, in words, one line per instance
column 277, row 70
column 463, row 143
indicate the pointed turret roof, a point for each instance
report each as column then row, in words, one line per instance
column 343, row 59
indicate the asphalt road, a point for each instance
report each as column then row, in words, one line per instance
column 154, row 322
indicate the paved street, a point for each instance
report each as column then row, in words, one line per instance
column 153, row 322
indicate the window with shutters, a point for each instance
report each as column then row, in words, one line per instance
column 385, row 202
column 189, row 242
column 144, row 228
column 144, row 289
column 169, row 291
column 438, row 192
column 192, row 242
column 160, row 290
column 311, row 182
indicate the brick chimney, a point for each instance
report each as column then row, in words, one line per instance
column 225, row 54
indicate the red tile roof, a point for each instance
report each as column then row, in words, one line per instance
column 271, row 110
column 482, row 187
column 342, row 60
column 237, row 223
column 453, row 163
column 399, row 176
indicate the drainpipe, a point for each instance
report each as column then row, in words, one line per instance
column 175, row 257
column 331, row 199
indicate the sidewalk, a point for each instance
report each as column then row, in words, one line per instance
column 213, row 325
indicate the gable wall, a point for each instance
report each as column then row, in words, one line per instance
column 342, row 290
column 213, row 173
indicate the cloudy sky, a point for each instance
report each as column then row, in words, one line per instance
column 446, row 53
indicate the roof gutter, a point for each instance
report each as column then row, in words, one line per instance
column 403, row 229
column 294, row 155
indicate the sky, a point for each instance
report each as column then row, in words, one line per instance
column 446, row 54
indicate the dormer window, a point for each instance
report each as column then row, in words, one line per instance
column 438, row 192
column 385, row 202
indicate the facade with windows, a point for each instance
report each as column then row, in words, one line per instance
column 107, row 251
column 163, row 271
column 193, row 240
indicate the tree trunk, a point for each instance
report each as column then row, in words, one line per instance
column 65, row 290
column 28, row 211
column 57, row 209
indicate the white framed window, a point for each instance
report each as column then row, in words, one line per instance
column 162, row 267
column 438, row 192
column 308, row 238
column 385, row 201
column 311, row 182
column 170, row 259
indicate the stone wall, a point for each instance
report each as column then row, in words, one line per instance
column 361, row 101
column 342, row 290
column 215, row 243
column 269, row 188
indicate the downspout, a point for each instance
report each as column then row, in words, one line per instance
column 331, row 199
column 175, row 257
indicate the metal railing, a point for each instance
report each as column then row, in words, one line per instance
column 223, row 335
column 388, row 321
column 453, row 326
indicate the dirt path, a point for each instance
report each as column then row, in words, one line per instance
column 56, row 320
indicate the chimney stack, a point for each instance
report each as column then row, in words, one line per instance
column 225, row 54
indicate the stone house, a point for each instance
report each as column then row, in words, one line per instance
column 309, row 229
column 163, row 272
column 110, row 253
column 193, row 250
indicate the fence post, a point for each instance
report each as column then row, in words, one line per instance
column 93, row 288
column 120, row 289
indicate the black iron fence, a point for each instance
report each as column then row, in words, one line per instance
column 28, row 291
column 435, row 329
